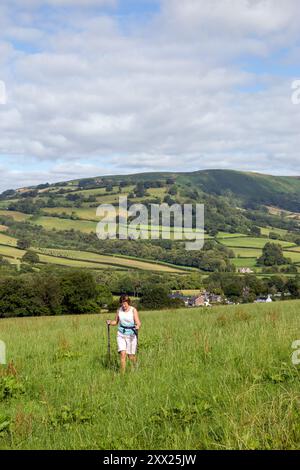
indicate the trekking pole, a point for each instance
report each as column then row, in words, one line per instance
column 108, row 341
column 137, row 341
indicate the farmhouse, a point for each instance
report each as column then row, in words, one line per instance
column 203, row 299
column 245, row 270
column 263, row 299
column 198, row 300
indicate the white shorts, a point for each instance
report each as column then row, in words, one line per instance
column 127, row 343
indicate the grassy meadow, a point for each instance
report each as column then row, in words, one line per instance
column 220, row 378
column 83, row 259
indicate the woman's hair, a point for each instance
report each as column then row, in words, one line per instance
column 124, row 298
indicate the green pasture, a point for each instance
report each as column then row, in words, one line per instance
column 223, row 381
column 253, row 242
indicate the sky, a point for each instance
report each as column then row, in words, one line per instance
column 99, row 87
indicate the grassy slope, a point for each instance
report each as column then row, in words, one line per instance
column 113, row 261
column 50, row 223
column 248, row 186
column 245, row 185
column 83, row 259
column 225, row 380
column 18, row 216
column 252, row 242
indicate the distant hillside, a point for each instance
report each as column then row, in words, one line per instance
column 249, row 189
column 243, row 211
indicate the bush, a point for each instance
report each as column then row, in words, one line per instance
column 80, row 292
column 157, row 297
column 272, row 255
column 23, row 244
column 31, row 257
column 51, row 293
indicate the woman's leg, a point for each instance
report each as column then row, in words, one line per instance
column 132, row 358
column 133, row 345
column 123, row 361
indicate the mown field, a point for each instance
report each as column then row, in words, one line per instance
column 207, row 379
column 83, row 259
column 253, row 242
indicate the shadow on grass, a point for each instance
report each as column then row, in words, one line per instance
column 112, row 364
column 103, row 362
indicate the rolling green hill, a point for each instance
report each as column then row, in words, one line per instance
column 243, row 211
column 282, row 191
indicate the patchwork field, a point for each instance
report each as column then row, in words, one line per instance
column 266, row 231
column 224, row 381
column 246, row 249
column 18, row 216
column 75, row 263
column 50, row 223
column 247, row 252
column 7, row 240
column 85, row 213
column 129, row 263
column 294, row 255
column 252, row 242
column 82, row 259
column 230, row 235
column 244, row 262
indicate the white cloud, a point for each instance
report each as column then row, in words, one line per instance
column 172, row 94
column 63, row 3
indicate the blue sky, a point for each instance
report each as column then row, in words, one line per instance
column 123, row 86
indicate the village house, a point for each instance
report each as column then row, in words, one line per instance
column 198, row 300
column 203, row 299
column 215, row 298
column 263, row 299
column 245, row 271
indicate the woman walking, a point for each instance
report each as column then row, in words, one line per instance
column 127, row 319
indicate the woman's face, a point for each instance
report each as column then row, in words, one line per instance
column 125, row 305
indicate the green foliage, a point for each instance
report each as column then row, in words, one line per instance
column 272, row 255
column 68, row 416
column 31, row 257
column 46, row 293
column 293, row 286
column 113, row 306
column 104, row 296
column 173, row 190
column 5, row 424
column 157, row 297
column 274, row 236
column 23, row 243
column 10, row 387
column 79, row 292
column 255, row 231
column 4, row 262
column 240, row 288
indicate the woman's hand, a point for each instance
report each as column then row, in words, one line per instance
column 108, row 322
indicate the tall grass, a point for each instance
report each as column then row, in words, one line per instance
column 207, row 379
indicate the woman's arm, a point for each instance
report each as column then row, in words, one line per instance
column 115, row 321
column 136, row 319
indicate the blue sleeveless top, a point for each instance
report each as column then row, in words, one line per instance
column 126, row 319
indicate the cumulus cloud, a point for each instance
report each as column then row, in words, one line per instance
column 196, row 85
